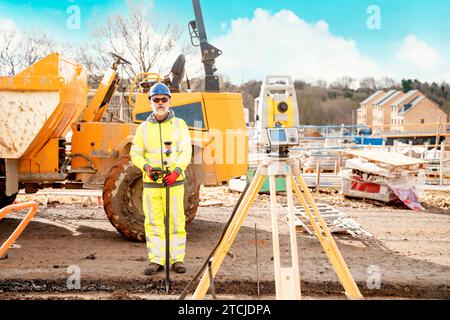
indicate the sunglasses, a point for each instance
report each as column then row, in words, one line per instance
column 158, row 100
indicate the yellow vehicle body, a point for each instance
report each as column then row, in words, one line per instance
column 37, row 149
column 96, row 147
column 42, row 103
column 39, row 105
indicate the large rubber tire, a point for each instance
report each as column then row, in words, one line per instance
column 4, row 199
column 122, row 199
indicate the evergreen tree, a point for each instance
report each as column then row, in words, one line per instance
column 407, row 85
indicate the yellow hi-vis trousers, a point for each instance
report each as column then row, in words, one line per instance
column 154, row 201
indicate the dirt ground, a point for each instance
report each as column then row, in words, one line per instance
column 410, row 255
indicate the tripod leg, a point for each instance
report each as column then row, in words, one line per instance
column 326, row 240
column 275, row 237
column 287, row 279
column 293, row 237
column 230, row 234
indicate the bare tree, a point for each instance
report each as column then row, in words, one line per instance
column 10, row 43
column 321, row 83
column 368, row 83
column 337, row 111
column 18, row 50
column 84, row 55
column 37, row 46
column 343, row 83
column 385, row 83
column 133, row 36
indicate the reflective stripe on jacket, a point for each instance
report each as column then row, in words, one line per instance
column 149, row 145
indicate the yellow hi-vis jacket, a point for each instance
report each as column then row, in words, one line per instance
column 149, row 145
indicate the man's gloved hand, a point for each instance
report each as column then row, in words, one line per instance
column 171, row 178
column 149, row 170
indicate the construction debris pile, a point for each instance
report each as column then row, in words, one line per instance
column 384, row 176
column 436, row 200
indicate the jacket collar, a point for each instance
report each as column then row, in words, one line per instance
column 152, row 118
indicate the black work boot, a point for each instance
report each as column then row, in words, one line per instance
column 153, row 268
column 179, row 267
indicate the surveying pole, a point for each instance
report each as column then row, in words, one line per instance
column 167, row 153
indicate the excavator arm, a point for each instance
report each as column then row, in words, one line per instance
column 197, row 32
column 105, row 91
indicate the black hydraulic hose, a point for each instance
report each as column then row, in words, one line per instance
column 205, row 264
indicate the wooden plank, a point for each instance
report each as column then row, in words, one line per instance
column 390, row 158
column 210, row 203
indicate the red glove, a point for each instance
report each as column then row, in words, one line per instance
column 171, row 178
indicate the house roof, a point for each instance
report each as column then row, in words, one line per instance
column 387, row 96
column 410, row 105
column 373, row 96
column 404, row 98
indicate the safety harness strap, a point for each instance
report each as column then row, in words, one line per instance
column 161, row 185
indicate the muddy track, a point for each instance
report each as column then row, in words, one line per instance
column 235, row 287
column 410, row 250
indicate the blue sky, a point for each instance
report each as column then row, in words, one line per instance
column 427, row 23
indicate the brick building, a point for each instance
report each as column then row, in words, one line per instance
column 395, row 111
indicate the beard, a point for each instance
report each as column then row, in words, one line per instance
column 160, row 112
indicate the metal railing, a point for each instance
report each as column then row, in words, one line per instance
column 322, row 141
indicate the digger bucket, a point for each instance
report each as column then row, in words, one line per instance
column 40, row 103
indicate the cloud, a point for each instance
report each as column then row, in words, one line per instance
column 418, row 54
column 417, row 59
column 283, row 43
column 223, row 26
column 10, row 35
column 8, row 25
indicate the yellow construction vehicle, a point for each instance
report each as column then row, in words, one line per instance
column 43, row 103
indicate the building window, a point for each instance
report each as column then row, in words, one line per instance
column 422, row 121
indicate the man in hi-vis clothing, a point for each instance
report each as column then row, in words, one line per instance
column 163, row 141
